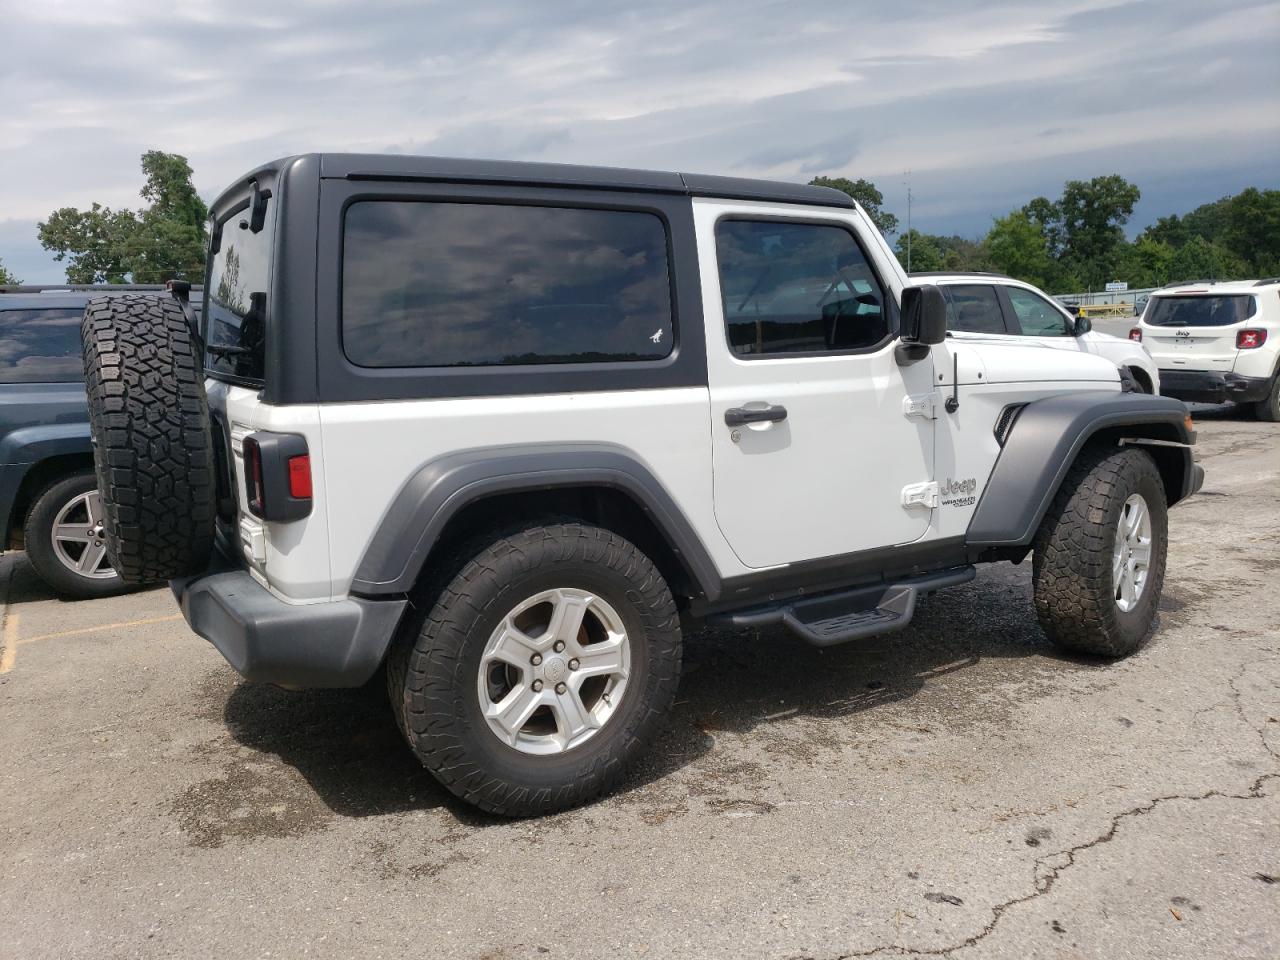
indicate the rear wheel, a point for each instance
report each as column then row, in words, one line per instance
column 64, row 539
column 1099, row 560
column 1268, row 408
column 542, row 670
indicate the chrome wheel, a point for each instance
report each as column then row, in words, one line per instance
column 554, row 671
column 78, row 537
column 1131, row 559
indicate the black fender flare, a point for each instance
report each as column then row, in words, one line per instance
column 1044, row 441
column 435, row 493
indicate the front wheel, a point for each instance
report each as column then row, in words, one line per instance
column 65, row 542
column 541, row 672
column 1100, row 554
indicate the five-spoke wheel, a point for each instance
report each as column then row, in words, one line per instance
column 64, row 538
column 77, row 537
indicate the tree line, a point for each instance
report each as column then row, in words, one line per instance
column 1070, row 244
column 1077, row 242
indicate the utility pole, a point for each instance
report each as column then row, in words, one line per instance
column 908, row 221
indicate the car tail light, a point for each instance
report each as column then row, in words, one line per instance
column 255, row 490
column 1136, row 334
column 277, row 476
column 1250, row 339
column 300, row 477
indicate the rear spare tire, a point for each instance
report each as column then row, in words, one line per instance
column 153, row 450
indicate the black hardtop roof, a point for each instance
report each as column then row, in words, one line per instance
column 371, row 166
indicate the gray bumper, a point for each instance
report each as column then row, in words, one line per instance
column 332, row 644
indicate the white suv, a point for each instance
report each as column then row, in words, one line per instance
column 1216, row 342
column 992, row 306
column 506, row 428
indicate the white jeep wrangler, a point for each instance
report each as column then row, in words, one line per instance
column 505, row 427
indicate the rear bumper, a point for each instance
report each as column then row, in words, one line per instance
column 1211, row 386
column 331, row 644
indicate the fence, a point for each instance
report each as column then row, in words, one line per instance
column 1103, row 304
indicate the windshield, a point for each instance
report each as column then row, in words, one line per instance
column 236, row 312
column 1199, row 311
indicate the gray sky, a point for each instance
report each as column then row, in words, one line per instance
column 989, row 104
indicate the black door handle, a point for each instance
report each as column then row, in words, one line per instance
column 737, row 416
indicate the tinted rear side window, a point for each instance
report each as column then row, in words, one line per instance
column 1199, row 311
column 41, row 346
column 235, row 318
column 797, row 288
column 973, row 309
column 434, row 284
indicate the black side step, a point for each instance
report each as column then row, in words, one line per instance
column 833, row 618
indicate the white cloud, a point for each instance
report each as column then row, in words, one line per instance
column 749, row 87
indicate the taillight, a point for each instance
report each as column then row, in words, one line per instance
column 1250, row 339
column 1136, row 334
column 255, row 490
column 277, row 476
column 300, row 477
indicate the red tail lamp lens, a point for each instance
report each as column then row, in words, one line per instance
column 1250, row 339
column 1135, row 334
column 300, row 477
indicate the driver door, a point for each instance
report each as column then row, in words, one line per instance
column 813, row 441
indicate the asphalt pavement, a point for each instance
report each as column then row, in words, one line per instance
column 955, row 789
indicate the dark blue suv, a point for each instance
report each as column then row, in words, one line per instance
column 49, row 502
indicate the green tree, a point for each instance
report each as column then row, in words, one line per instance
column 1252, row 229
column 1207, row 221
column 1169, row 230
column 926, row 253
column 6, row 277
column 869, row 198
column 1200, row 259
column 1018, row 246
column 94, row 240
column 1144, row 263
column 1047, row 216
column 166, row 240
column 962, row 254
column 1244, row 227
column 1083, row 229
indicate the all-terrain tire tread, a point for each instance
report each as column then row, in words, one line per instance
column 1071, row 565
column 153, row 451
column 426, row 674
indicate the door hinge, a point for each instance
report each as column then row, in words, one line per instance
column 920, row 495
column 921, row 406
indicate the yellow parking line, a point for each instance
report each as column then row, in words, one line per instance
column 103, row 626
column 10, row 641
column 11, row 638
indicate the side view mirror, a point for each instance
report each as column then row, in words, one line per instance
column 924, row 315
column 924, row 322
column 1083, row 325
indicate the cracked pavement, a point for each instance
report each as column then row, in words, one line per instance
column 956, row 789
